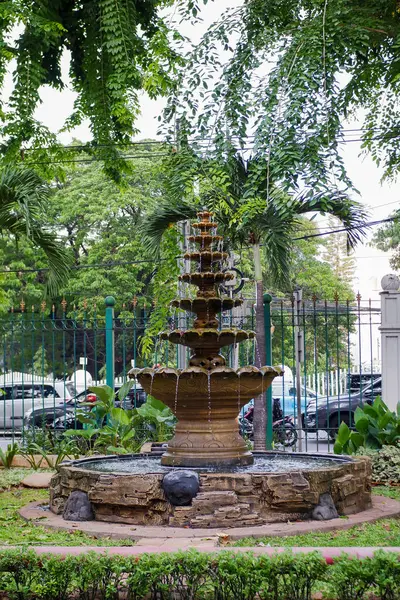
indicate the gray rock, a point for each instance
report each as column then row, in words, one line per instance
column 325, row 509
column 181, row 487
column 78, row 507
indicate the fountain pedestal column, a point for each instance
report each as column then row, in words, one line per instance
column 197, row 444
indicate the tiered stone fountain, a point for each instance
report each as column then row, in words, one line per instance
column 227, row 486
column 207, row 396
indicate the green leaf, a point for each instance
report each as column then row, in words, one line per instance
column 117, row 450
column 371, row 411
column 103, row 392
column 343, row 433
column 125, row 389
column 356, row 439
column 119, row 416
column 362, row 424
column 338, row 448
column 372, row 442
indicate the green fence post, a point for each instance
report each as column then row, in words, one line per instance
column 110, row 348
column 268, row 358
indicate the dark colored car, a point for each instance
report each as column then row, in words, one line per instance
column 355, row 381
column 326, row 413
column 62, row 416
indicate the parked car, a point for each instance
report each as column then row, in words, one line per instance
column 63, row 416
column 326, row 413
column 286, row 394
column 19, row 396
column 356, row 381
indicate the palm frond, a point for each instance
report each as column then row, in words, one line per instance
column 23, row 197
column 352, row 214
column 57, row 257
column 154, row 227
column 23, row 193
column 278, row 245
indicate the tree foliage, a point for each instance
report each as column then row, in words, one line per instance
column 117, row 48
column 23, row 199
column 98, row 225
column 248, row 210
column 290, row 72
column 387, row 238
column 336, row 252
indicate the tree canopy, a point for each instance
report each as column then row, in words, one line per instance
column 98, row 226
column 387, row 238
column 288, row 73
column 116, row 47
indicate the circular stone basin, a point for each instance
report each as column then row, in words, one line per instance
column 269, row 463
column 277, row 487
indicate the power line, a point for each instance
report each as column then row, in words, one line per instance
column 94, row 266
column 372, row 208
column 161, row 143
column 346, row 229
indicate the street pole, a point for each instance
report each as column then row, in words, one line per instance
column 110, row 346
column 268, row 356
column 299, row 357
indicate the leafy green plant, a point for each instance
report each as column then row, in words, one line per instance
column 34, row 458
column 107, row 428
column 375, row 425
column 118, row 435
column 356, row 580
column 67, row 449
column 385, row 463
column 197, row 576
column 155, row 418
column 7, row 456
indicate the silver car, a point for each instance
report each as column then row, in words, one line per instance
column 17, row 397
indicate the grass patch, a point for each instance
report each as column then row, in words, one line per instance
column 390, row 491
column 15, row 531
column 382, row 533
column 13, row 477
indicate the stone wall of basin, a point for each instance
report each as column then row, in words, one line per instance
column 224, row 499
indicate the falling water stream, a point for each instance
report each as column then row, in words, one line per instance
column 176, row 394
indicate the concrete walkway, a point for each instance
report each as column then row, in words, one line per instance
column 174, row 538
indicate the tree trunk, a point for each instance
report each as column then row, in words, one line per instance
column 260, row 407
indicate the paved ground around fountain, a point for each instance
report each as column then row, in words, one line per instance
column 169, row 539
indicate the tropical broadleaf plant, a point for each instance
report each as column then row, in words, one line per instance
column 375, row 426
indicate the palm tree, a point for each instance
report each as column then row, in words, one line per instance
column 251, row 212
column 23, row 198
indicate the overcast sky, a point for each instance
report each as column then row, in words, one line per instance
column 380, row 199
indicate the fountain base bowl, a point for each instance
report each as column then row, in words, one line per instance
column 278, row 487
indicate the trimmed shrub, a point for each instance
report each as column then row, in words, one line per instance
column 196, row 576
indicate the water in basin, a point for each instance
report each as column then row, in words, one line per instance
column 275, row 463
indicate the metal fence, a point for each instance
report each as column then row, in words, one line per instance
column 329, row 351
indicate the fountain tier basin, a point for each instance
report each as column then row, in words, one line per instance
column 278, row 487
column 206, row 404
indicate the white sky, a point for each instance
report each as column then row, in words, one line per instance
column 380, row 199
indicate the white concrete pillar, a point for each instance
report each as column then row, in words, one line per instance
column 390, row 340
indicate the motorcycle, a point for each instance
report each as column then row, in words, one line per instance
column 284, row 429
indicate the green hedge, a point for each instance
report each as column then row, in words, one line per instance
column 196, row 576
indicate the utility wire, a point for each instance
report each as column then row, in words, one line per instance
column 107, row 265
column 152, row 154
column 205, row 140
column 365, row 225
